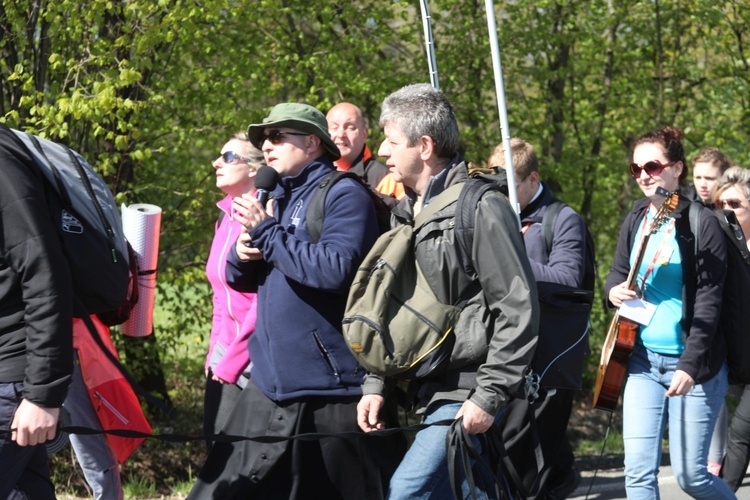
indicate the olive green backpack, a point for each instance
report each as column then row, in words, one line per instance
column 393, row 323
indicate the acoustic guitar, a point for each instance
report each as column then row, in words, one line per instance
column 622, row 332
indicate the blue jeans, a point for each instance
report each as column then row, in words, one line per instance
column 646, row 411
column 96, row 458
column 423, row 473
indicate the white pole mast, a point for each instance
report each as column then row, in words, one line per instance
column 501, row 105
column 429, row 44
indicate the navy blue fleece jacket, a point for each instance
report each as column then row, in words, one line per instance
column 297, row 348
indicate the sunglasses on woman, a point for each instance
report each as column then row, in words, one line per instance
column 731, row 204
column 652, row 168
column 276, row 136
column 230, row 156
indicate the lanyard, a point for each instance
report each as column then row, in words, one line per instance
column 655, row 259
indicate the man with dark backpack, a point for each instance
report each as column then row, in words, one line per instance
column 36, row 309
column 85, row 222
column 494, row 334
column 561, row 252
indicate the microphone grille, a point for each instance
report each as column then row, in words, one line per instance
column 266, row 178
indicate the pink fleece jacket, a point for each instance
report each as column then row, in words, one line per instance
column 234, row 312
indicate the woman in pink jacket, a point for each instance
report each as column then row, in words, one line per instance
column 234, row 313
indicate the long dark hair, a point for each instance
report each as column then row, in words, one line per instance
column 670, row 138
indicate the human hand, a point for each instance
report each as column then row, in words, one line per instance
column 248, row 211
column 476, row 420
column 33, row 424
column 368, row 411
column 245, row 249
column 620, row 293
column 681, row 384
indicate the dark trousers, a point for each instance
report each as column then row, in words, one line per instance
column 552, row 417
column 24, row 472
column 332, row 467
column 218, row 401
column 738, row 443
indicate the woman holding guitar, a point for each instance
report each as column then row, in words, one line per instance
column 677, row 372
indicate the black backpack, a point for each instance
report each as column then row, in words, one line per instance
column 316, row 212
column 87, row 220
column 734, row 320
column 564, row 311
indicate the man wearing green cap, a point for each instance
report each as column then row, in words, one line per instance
column 303, row 377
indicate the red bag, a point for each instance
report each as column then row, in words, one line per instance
column 113, row 398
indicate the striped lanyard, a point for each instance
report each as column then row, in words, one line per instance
column 655, row 259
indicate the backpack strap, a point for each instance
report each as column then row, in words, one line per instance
column 438, row 203
column 316, row 211
column 466, row 209
column 549, row 219
column 694, row 215
column 140, row 391
column 733, row 232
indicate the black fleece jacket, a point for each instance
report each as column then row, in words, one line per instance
column 35, row 285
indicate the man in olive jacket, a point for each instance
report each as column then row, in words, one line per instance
column 497, row 331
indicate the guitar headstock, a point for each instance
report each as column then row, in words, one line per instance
column 666, row 208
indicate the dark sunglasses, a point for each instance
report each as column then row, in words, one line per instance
column 652, row 168
column 732, row 204
column 276, row 136
column 230, row 156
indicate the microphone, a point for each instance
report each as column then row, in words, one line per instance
column 265, row 182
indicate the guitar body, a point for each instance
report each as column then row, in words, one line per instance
column 613, row 365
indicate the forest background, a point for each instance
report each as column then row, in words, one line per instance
column 149, row 90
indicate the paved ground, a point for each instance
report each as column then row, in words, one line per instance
column 610, row 484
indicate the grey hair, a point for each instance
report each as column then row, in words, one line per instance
column 254, row 154
column 421, row 110
column 733, row 176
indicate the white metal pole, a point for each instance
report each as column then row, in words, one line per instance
column 501, row 105
column 429, row 44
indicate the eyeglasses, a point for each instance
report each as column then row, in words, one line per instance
column 652, row 168
column 230, row 156
column 732, row 204
column 276, row 136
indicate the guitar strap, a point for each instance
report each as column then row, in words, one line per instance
column 655, row 259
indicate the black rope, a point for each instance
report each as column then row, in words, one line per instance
column 228, row 438
column 601, row 455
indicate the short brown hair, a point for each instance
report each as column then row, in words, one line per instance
column 524, row 158
column 713, row 157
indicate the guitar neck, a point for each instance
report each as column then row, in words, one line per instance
column 638, row 260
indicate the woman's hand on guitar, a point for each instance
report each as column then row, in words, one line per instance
column 620, row 293
column 681, row 384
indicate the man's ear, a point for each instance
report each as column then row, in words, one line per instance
column 426, row 147
column 534, row 178
column 314, row 143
